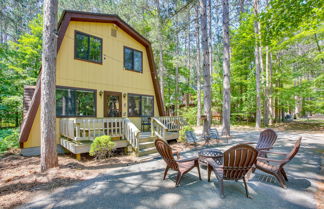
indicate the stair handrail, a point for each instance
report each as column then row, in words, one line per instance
column 158, row 128
column 131, row 133
column 173, row 123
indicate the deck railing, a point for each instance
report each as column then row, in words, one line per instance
column 174, row 123
column 158, row 128
column 131, row 133
column 89, row 128
column 80, row 129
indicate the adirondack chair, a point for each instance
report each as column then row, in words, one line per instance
column 181, row 166
column 214, row 133
column 266, row 140
column 237, row 161
column 191, row 137
column 276, row 167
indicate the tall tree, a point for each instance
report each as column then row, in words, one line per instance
column 226, row 117
column 258, row 63
column 198, row 66
column 48, row 86
column 268, row 100
column 160, row 40
column 177, row 71
column 206, row 68
column 210, row 35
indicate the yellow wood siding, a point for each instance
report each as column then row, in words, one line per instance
column 108, row 76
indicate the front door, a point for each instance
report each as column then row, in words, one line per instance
column 112, row 104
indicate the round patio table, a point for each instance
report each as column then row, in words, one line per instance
column 215, row 154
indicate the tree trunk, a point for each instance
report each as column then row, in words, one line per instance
column 48, row 86
column 206, row 69
column 177, row 79
column 160, row 40
column 210, row 42
column 271, row 112
column 226, row 72
column 241, row 8
column 267, row 91
column 188, row 58
column 257, row 65
column 197, row 35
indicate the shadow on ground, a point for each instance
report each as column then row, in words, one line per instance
column 141, row 185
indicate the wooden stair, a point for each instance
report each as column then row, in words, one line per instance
column 146, row 144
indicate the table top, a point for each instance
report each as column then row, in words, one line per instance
column 210, row 153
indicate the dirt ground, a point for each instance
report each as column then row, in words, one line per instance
column 20, row 177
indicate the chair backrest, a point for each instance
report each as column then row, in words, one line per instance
column 191, row 137
column 238, row 160
column 166, row 152
column 267, row 138
column 293, row 152
column 214, row 133
column 145, row 120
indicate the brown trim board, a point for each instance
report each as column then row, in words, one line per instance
column 66, row 17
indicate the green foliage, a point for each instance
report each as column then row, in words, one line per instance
column 189, row 114
column 20, row 62
column 182, row 133
column 102, row 147
column 8, row 139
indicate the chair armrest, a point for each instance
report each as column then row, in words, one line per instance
column 176, row 153
column 212, row 163
column 270, row 152
column 264, row 149
column 271, row 160
column 188, row 159
column 248, row 143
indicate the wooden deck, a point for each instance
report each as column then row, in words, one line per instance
column 78, row 133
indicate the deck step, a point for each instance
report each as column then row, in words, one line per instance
column 147, row 139
column 146, row 151
column 148, row 144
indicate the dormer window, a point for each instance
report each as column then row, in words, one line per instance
column 87, row 47
column 133, row 60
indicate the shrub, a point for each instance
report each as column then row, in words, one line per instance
column 102, row 147
column 182, row 133
column 9, row 139
column 189, row 114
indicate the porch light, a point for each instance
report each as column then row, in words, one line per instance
column 100, row 93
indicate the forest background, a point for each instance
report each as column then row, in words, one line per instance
column 276, row 55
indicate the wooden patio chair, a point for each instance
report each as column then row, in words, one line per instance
column 266, row 140
column 276, row 167
column 181, row 166
column 237, row 161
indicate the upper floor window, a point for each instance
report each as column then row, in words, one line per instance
column 133, row 60
column 87, row 47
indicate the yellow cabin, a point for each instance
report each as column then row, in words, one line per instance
column 106, row 85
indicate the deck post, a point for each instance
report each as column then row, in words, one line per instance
column 78, row 157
